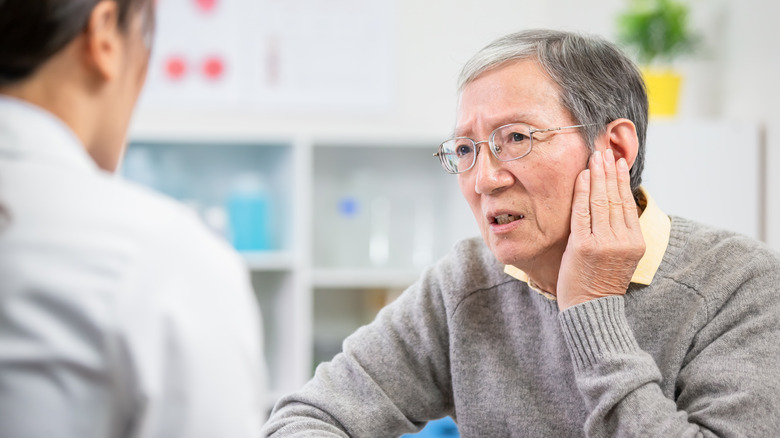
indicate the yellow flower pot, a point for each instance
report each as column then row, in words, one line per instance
column 663, row 91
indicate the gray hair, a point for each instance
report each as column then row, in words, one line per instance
column 598, row 82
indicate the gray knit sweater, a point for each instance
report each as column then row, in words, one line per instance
column 696, row 353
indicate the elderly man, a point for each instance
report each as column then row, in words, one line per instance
column 583, row 310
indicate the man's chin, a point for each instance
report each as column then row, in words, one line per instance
column 506, row 251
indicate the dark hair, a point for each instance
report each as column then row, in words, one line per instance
column 32, row 31
column 598, row 82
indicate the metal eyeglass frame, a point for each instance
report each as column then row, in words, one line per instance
column 492, row 145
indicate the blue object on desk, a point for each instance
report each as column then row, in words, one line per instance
column 442, row 428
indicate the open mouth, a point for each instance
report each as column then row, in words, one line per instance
column 503, row 219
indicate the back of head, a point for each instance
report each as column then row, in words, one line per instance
column 32, row 31
column 598, row 83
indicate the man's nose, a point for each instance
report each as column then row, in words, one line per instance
column 491, row 176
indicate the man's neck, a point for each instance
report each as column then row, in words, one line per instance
column 543, row 271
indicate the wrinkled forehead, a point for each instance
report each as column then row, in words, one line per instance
column 517, row 91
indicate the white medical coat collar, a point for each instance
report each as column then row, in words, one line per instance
column 28, row 131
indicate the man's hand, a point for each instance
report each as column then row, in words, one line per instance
column 606, row 243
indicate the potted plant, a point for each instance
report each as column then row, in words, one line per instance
column 659, row 32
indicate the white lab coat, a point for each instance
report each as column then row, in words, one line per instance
column 121, row 315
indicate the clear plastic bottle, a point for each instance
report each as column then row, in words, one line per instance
column 249, row 214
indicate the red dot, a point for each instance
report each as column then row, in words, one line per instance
column 206, row 5
column 213, row 67
column 175, row 67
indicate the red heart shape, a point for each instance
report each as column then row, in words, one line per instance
column 206, row 5
column 213, row 67
column 175, row 67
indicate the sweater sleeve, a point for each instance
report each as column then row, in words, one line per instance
column 728, row 385
column 392, row 376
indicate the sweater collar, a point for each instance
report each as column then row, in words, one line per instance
column 656, row 229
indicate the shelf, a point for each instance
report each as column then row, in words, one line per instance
column 386, row 141
column 268, row 260
column 316, row 284
column 332, row 278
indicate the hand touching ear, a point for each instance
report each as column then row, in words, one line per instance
column 606, row 243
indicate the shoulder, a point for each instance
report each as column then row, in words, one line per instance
column 717, row 262
column 168, row 232
column 469, row 267
column 184, row 303
column 709, row 248
column 101, row 231
column 181, row 282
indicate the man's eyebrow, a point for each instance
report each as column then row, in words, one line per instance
column 459, row 132
column 512, row 118
column 518, row 118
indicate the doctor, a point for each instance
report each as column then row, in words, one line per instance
column 120, row 314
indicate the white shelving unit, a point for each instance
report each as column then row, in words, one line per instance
column 269, row 260
column 335, row 278
column 321, row 280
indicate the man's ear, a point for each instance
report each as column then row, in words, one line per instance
column 103, row 40
column 620, row 136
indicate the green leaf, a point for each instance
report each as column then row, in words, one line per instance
column 656, row 29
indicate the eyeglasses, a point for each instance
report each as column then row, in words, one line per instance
column 507, row 143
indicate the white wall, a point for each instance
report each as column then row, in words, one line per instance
column 735, row 77
column 434, row 39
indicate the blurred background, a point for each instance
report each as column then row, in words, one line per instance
column 303, row 131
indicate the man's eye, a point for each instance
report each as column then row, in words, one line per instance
column 463, row 149
column 517, row 137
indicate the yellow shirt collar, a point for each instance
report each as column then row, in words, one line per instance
column 656, row 229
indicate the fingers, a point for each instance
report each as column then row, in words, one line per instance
column 599, row 203
column 611, row 201
column 606, row 243
column 580, row 209
column 616, row 216
column 630, row 213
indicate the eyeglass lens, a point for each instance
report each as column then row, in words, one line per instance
column 507, row 143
